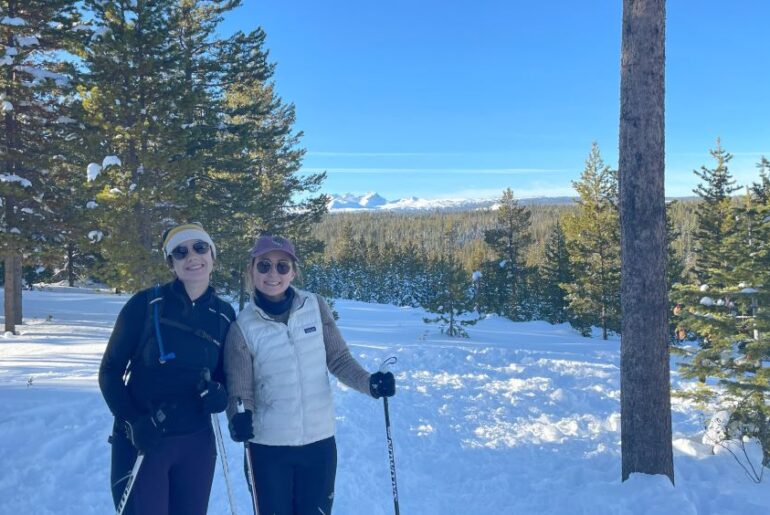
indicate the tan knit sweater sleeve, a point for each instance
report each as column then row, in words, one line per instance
column 338, row 358
column 239, row 371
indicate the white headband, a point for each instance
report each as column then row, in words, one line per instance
column 187, row 233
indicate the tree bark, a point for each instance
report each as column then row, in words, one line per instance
column 13, row 258
column 645, row 368
column 12, row 293
column 71, row 264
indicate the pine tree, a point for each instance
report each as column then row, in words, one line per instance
column 715, row 219
column 252, row 185
column 726, row 309
column 72, row 253
column 509, row 239
column 674, row 263
column 349, row 262
column 36, row 92
column 449, row 294
column 761, row 190
column 131, row 101
column 412, row 260
column 593, row 243
column 554, row 272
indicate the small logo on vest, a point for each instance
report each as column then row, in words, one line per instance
column 309, row 330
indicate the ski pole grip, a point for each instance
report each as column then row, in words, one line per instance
column 387, row 363
column 239, row 407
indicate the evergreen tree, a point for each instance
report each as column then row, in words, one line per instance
column 509, row 239
column 449, row 295
column 35, row 95
column 593, row 242
column 252, row 186
column 554, row 272
column 761, row 190
column 412, row 261
column 349, row 264
column 726, row 309
column 674, row 263
column 715, row 219
column 132, row 102
column 73, row 252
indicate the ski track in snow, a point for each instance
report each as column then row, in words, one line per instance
column 520, row 418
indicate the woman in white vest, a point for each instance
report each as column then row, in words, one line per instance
column 277, row 357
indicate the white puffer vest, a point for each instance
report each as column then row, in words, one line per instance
column 293, row 398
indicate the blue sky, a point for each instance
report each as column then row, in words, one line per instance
column 449, row 99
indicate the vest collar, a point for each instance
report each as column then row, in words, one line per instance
column 299, row 298
column 272, row 307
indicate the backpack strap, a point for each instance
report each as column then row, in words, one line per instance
column 224, row 321
column 200, row 333
column 155, row 303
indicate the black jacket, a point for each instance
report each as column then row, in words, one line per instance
column 170, row 391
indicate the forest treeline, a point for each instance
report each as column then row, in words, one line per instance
column 514, row 260
column 422, row 228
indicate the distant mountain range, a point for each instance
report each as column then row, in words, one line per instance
column 374, row 202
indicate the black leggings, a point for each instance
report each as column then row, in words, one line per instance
column 174, row 479
column 295, row 480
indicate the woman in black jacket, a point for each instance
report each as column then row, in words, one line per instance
column 161, row 376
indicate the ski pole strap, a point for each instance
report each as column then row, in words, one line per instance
column 163, row 357
column 385, row 366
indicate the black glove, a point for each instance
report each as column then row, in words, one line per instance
column 143, row 433
column 214, row 396
column 240, row 427
column 382, row 384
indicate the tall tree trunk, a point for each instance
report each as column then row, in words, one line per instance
column 71, row 264
column 12, row 290
column 12, row 293
column 644, row 359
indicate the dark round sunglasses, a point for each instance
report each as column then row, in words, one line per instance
column 180, row 252
column 282, row 267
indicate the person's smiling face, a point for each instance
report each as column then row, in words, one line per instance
column 266, row 276
column 193, row 268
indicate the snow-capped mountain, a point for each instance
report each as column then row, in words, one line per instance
column 373, row 201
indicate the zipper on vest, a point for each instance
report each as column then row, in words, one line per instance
column 302, row 399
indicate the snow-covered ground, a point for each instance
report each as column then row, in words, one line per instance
column 520, row 418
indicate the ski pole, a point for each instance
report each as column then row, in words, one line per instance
column 223, row 456
column 391, row 455
column 130, row 484
column 221, row 447
column 249, row 466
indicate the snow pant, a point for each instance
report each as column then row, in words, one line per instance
column 295, row 480
column 174, row 479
